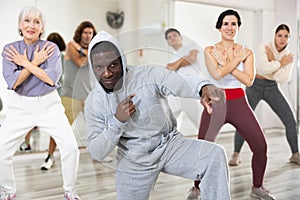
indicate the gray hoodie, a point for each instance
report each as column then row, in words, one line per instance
column 141, row 141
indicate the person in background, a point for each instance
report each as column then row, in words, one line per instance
column 231, row 66
column 274, row 65
column 187, row 59
column 25, row 146
column 32, row 68
column 76, row 82
column 60, row 42
column 57, row 39
column 128, row 108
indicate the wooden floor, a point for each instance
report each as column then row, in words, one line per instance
column 97, row 180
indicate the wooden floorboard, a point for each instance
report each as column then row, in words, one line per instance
column 96, row 181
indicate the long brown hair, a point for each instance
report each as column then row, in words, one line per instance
column 80, row 28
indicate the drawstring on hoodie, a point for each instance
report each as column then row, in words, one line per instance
column 105, row 113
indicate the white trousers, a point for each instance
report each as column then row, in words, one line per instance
column 46, row 112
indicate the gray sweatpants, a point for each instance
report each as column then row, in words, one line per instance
column 188, row 158
column 268, row 90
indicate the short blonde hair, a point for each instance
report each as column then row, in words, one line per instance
column 32, row 12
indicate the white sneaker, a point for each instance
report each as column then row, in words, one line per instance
column 5, row 196
column 25, row 147
column 49, row 162
column 194, row 194
column 262, row 193
column 71, row 196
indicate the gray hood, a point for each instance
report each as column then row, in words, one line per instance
column 100, row 37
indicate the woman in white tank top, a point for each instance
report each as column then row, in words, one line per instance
column 231, row 67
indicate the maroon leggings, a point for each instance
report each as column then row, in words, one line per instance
column 238, row 113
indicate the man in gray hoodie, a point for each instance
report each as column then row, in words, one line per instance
column 129, row 109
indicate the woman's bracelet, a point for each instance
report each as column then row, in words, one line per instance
column 81, row 51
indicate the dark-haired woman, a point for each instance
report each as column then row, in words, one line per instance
column 273, row 66
column 231, row 66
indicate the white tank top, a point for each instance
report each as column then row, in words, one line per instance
column 228, row 81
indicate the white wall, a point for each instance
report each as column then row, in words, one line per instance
column 142, row 36
column 237, row 4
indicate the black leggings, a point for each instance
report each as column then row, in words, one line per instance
column 268, row 90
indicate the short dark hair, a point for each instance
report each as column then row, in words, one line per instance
column 104, row 46
column 171, row 30
column 226, row 13
column 58, row 40
column 80, row 28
